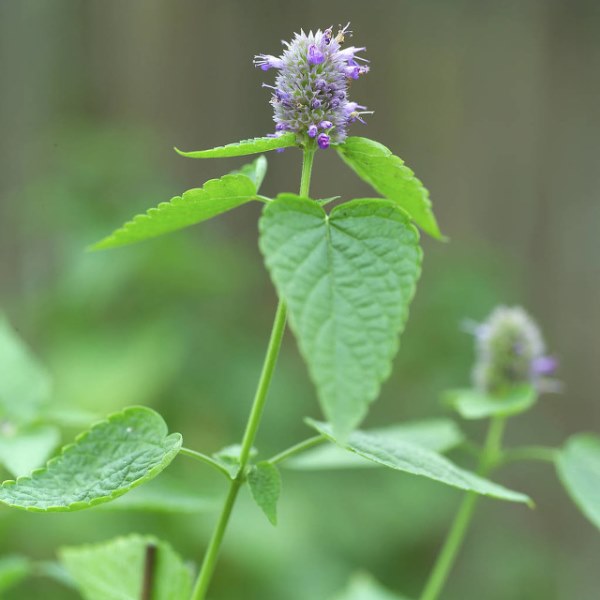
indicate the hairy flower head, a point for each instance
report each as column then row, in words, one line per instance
column 310, row 95
column 511, row 351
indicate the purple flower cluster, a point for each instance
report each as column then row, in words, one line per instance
column 511, row 351
column 310, row 96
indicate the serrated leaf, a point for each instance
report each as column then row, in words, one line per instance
column 256, row 170
column 439, row 435
column 13, row 569
column 387, row 173
column 107, row 461
column 410, row 458
column 194, row 206
column 244, row 148
column 27, row 448
column 264, row 481
column 473, row 404
column 348, row 279
column 115, row 570
column 364, row 587
column 25, row 384
column 578, row 466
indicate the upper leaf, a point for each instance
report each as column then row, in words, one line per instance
column 24, row 384
column 114, row 456
column 439, row 435
column 256, row 170
column 364, row 587
column 401, row 455
column 265, row 486
column 388, row 174
column 348, row 279
column 245, row 147
column 473, row 404
column 578, row 466
column 117, row 570
column 194, row 206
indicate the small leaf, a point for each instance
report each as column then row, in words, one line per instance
column 13, row 569
column 194, row 206
column 348, row 279
column 110, row 459
column 473, row 404
column 578, row 466
column 439, row 435
column 265, row 485
column 245, row 147
column 27, row 448
column 404, row 456
column 229, row 457
column 116, row 570
column 24, row 384
column 364, row 587
column 387, row 173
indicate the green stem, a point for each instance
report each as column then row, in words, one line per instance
column 541, row 453
column 297, row 449
column 214, row 546
column 207, row 460
column 454, row 540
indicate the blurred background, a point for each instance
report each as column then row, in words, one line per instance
column 495, row 107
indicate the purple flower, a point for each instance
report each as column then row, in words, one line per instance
column 323, row 141
column 544, row 366
column 312, row 83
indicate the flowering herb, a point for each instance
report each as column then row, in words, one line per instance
column 345, row 280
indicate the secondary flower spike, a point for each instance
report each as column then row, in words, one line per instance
column 310, row 96
column 511, row 351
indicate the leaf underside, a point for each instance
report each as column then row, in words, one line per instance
column 578, row 467
column 244, row 148
column 115, row 570
column 265, row 486
column 473, row 404
column 347, row 279
column 110, row 459
column 216, row 197
column 439, row 435
column 417, row 460
column 387, row 173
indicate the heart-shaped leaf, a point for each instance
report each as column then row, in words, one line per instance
column 578, row 466
column 110, row 459
column 245, row 147
column 403, row 456
column 194, row 206
column 128, row 568
column 348, row 279
column 387, row 173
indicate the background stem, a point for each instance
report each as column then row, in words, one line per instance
column 454, row 540
column 212, row 553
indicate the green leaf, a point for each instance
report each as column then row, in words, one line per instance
column 364, row 587
column 473, row 404
column 194, row 206
column 230, row 456
column 348, row 279
column 24, row 385
column 13, row 569
column 387, row 173
column 578, row 466
column 116, row 570
column 256, row 170
column 110, row 459
column 27, row 448
column 265, row 486
column 401, row 455
column 245, row 147
column 439, row 435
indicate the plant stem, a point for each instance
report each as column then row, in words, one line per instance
column 447, row 556
column 541, row 453
column 297, row 449
column 212, row 553
column 206, row 460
